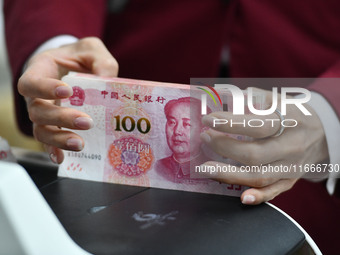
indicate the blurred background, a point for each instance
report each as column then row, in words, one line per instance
column 8, row 127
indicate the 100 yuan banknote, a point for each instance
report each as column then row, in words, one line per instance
column 145, row 134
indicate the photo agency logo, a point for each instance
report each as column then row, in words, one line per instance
column 239, row 104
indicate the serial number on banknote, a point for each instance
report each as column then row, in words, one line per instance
column 85, row 155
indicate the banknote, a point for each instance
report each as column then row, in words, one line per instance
column 145, row 134
column 5, row 151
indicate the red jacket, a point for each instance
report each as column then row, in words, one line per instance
column 173, row 40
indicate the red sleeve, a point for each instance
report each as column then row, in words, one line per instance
column 330, row 88
column 30, row 23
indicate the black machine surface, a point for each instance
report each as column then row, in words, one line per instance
column 107, row 218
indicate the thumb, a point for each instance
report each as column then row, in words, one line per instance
column 91, row 56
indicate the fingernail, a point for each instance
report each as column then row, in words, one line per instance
column 205, row 137
column 83, row 122
column 208, row 120
column 64, row 91
column 248, row 199
column 207, row 170
column 53, row 158
column 74, row 144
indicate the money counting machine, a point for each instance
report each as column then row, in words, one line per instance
column 82, row 217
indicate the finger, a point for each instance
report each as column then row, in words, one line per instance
column 247, row 152
column 56, row 155
column 226, row 173
column 56, row 137
column 256, row 126
column 42, row 76
column 35, row 86
column 256, row 196
column 43, row 112
column 95, row 56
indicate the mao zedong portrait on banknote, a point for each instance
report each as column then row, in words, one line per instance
column 183, row 138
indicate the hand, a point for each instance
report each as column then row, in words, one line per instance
column 42, row 88
column 303, row 144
